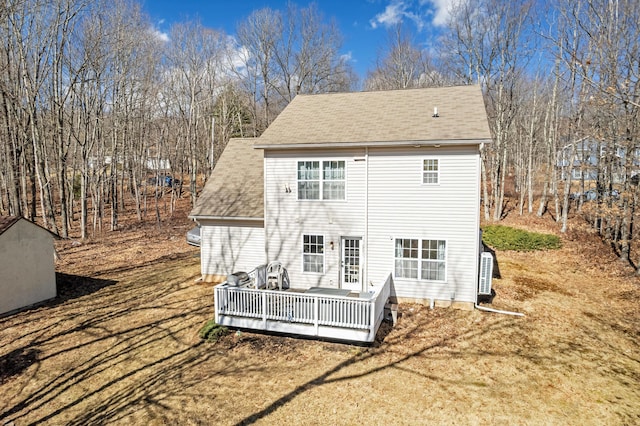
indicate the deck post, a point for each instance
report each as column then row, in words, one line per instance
column 372, row 320
column 216, row 304
column 316, row 315
column 264, row 310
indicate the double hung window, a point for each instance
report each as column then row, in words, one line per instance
column 430, row 171
column 420, row 259
column 313, row 253
column 315, row 183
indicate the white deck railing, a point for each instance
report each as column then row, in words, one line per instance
column 341, row 317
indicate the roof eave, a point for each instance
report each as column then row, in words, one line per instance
column 420, row 143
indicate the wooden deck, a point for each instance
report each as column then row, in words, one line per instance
column 316, row 312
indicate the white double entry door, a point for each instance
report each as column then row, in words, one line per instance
column 351, row 263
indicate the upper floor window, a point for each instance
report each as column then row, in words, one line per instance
column 314, row 185
column 430, row 170
column 308, row 180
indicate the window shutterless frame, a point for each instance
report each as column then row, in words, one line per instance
column 430, row 171
column 420, row 259
column 321, row 180
column 313, row 258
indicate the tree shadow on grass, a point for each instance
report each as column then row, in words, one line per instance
column 330, row 375
column 16, row 361
column 74, row 286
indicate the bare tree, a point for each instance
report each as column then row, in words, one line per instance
column 486, row 45
column 259, row 35
column 402, row 64
column 196, row 68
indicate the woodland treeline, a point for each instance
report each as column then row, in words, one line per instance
column 96, row 105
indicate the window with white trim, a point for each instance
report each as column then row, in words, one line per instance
column 333, row 180
column 420, row 258
column 313, row 253
column 308, row 180
column 328, row 185
column 433, row 265
column 430, row 170
column 406, row 258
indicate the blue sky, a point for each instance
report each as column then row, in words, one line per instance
column 363, row 23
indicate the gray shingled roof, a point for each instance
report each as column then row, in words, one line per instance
column 386, row 117
column 235, row 189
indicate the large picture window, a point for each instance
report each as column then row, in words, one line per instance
column 420, row 258
column 313, row 253
column 328, row 185
column 430, row 171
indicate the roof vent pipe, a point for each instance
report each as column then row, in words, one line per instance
column 435, row 112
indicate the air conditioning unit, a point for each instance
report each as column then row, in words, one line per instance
column 486, row 273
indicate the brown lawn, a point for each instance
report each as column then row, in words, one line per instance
column 120, row 346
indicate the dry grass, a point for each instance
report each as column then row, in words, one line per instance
column 120, row 346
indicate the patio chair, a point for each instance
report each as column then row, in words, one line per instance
column 275, row 272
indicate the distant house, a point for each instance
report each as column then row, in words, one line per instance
column 351, row 190
column 160, row 164
column 585, row 158
column 26, row 264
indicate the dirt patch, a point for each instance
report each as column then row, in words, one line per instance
column 527, row 287
column 120, row 346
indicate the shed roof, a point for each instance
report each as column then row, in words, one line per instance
column 235, row 189
column 6, row 222
column 382, row 117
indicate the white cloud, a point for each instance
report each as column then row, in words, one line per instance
column 159, row 34
column 347, row 57
column 396, row 12
column 420, row 12
column 442, row 10
column 392, row 15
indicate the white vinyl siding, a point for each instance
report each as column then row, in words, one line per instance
column 398, row 205
column 328, row 185
column 231, row 246
column 430, row 171
column 287, row 219
column 313, row 253
column 405, row 207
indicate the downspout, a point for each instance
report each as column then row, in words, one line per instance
column 478, row 244
column 366, row 217
column 497, row 311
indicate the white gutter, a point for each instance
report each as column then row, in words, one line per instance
column 239, row 218
column 417, row 144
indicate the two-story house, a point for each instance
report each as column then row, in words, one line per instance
column 346, row 189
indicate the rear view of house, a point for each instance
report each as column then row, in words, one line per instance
column 26, row 264
column 353, row 190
